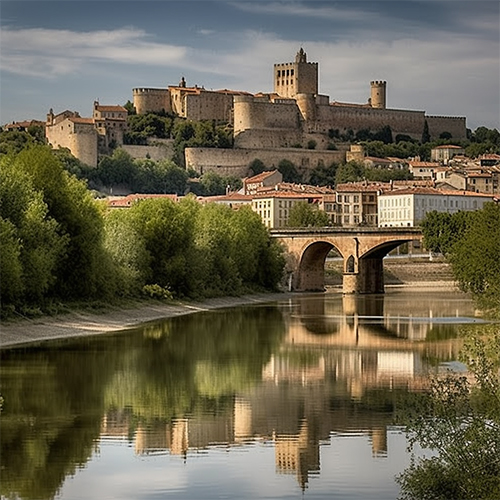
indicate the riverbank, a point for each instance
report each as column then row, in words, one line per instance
column 415, row 275
column 80, row 324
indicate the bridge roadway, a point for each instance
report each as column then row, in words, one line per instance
column 362, row 250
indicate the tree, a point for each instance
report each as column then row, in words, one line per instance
column 470, row 241
column 304, row 214
column 460, row 422
column 289, row 171
column 30, row 243
column 349, row 172
column 256, row 167
column 85, row 270
column 475, row 257
column 426, row 137
column 323, row 176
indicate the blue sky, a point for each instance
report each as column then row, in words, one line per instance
column 442, row 57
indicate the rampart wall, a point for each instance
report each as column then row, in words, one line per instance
column 154, row 152
column 209, row 106
column 237, row 161
column 455, row 125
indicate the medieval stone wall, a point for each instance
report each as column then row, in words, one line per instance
column 455, row 125
column 148, row 99
column 237, row 161
column 154, row 152
column 209, row 106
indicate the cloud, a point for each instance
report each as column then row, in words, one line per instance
column 49, row 53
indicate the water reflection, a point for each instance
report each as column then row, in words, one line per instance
column 291, row 375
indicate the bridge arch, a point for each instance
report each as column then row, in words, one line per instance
column 362, row 250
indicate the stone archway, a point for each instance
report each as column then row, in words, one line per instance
column 311, row 268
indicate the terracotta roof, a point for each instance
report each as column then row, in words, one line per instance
column 448, row 146
column 128, row 200
column 285, row 194
column 233, row 196
column 111, row 108
column 435, row 191
column 260, row 177
column 426, row 164
column 83, row 121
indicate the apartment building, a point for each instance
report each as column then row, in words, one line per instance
column 408, row 207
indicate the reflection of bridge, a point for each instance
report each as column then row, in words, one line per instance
column 362, row 250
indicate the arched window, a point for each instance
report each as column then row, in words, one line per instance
column 350, row 264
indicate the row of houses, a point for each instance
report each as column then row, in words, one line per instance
column 382, row 204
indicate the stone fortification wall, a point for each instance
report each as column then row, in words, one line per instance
column 264, row 120
column 236, row 161
column 357, row 118
column 209, row 106
column 456, row 126
column 156, row 152
column 268, row 138
column 148, row 99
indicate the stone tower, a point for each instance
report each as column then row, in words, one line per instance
column 378, row 89
column 299, row 77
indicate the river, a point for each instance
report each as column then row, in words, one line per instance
column 295, row 398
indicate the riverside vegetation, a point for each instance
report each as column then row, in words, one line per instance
column 59, row 244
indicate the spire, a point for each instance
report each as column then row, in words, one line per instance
column 301, row 56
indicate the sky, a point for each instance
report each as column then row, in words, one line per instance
column 437, row 56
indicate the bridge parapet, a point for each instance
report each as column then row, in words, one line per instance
column 362, row 250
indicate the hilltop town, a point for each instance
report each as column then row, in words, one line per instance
column 295, row 124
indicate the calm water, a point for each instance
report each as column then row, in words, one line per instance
column 294, row 399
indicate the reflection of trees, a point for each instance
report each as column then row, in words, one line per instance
column 51, row 416
column 201, row 358
column 459, row 419
column 55, row 397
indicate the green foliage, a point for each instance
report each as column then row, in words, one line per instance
column 470, row 241
column 14, row 141
column 289, row 172
column 304, row 214
column 442, row 230
column 193, row 250
column 31, row 243
column 157, row 292
column 349, row 172
column 461, row 422
column 311, row 144
column 138, row 176
column 256, row 167
column 141, row 127
column 212, row 184
column 323, row 176
column 64, row 226
column 199, row 134
column 475, row 257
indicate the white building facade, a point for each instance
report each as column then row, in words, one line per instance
column 408, row 207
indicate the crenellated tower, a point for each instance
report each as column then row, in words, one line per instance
column 299, row 77
column 378, row 94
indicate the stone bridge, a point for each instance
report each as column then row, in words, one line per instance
column 362, row 251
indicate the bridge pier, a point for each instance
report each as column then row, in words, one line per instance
column 367, row 277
